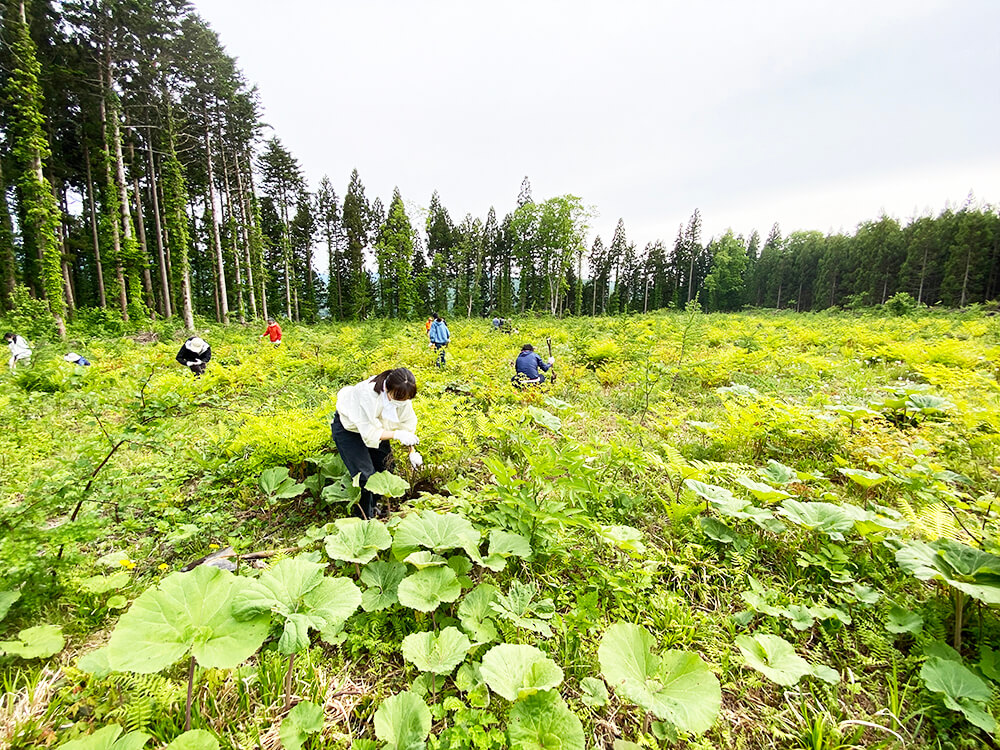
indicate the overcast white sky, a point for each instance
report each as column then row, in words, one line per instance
column 816, row 114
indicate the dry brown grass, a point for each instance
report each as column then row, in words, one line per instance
column 19, row 709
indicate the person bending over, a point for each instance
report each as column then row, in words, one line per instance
column 195, row 353
column 527, row 366
column 19, row 350
column 368, row 416
column 273, row 332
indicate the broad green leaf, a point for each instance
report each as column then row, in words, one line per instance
column 386, row 483
column 7, row 599
column 989, row 663
column 437, row 532
column 625, row 745
column 382, row 579
column 825, row 517
column 515, row 672
column 777, row 473
column 117, row 602
column 195, row 739
column 967, row 569
column 427, row 589
column 546, row 420
column 927, row 403
column 712, row 493
column 476, row 613
column 679, row 688
column 775, row 658
column 626, row 538
column 95, row 662
column 403, row 721
column 108, row 738
column 961, row 689
column 425, row 559
column 279, row 589
column 356, row 540
column 593, row 692
column 865, row 594
column 543, row 722
column 39, row 642
column 762, row 491
column 439, row 653
column 304, row 719
column 104, row 584
column 520, row 607
column 186, row 612
column 801, row 617
column 717, row 530
column 509, row 545
column 276, row 483
column 864, row 479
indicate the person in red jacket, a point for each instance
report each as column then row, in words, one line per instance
column 273, row 332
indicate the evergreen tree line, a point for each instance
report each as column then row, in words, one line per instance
column 132, row 111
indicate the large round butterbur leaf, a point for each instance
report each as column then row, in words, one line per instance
column 434, row 531
column 427, row 589
column 864, row 479
column 476, row 613
column 966, row 568
column 108, row 738
column 403, row 721
column 961, row 688
column 304, row 719
column 297, row 591
column 194, row 739
column 828, row 518
column 7, row 599
column 679, row 688
column 542, row 721
column 386, row 483
column 382, row 579
column 39, row 642
column 186, row 612
column 775, row 658
column 515, row 672
column 762, row 491
column 357, row 541
column 438, row 653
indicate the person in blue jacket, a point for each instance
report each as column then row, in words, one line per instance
column 527, row 366
column 440, row 336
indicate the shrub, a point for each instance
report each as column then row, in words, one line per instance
column 901, row 303
column 29, row 317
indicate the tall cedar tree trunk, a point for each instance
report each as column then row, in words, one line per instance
column 222, row 311
column 285, row 252
column 102, row 298
column 64, row 250
column 116, row 243
column 247, row 229
column 252, row 199
column 229, row 217
column 129, row 244
column 161, row 260
column 31, row 148
column 140, row 225
column 8, row 267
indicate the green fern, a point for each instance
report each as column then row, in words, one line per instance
column 932, row 521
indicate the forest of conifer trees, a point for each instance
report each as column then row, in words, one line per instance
column 137, row 183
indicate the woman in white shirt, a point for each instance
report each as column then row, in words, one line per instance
column 369, row 415
column 18, row 349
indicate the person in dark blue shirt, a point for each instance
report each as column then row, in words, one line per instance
column 527, row 366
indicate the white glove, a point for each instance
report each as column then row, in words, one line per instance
column 406, row 438
column 552, row 360
column 416, row 460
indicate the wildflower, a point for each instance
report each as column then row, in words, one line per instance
column 127, row 564
column 162, row 566
column 213, row 546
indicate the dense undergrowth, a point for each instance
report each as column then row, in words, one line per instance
column 775, row 499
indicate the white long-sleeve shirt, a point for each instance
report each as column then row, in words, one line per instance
column 19, row 348
column 362, row 410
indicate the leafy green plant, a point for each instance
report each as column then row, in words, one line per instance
column 476, row 613
column 382, row 580
column 677, row 687
column 775, row 658
column 38, row 642
column 304, row 719
column 186, row 613
column 298, row 593
column 356, row 540
column 543, row 720
column 403, row 722
column 429, row 588
column 515, row 672
column 827, row 518
column 277, row 485
column 520, row 607
column 437, row 653
column 965, row 569
column 437, row 532
column 108, row 738
column 961, row 689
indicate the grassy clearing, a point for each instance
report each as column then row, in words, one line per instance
column 611, row 475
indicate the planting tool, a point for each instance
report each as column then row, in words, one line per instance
column 548, row 340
